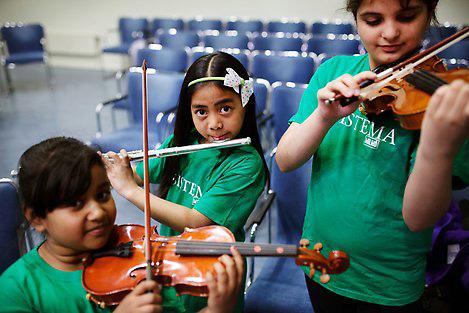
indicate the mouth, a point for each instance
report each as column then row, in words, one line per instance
column 98, row 231
column 220, row 138
column 391, row 48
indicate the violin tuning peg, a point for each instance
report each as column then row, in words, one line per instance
column 304, row 243
column 88, row 296
column 324, row 278
column 311, row 270
column 102, row 305
column 318, row 246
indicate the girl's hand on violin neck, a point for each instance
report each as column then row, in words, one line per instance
column 145, row 298
column 224, row 283
column 446, row 122
column 119, row 172
column 346, row 86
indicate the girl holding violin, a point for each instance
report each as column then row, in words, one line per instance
column 216, row 103
column 376, row 188
column 66, row 195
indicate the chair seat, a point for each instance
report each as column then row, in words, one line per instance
column 280, row 278
column 25, row 57
column 121, row 49
column 129, row 138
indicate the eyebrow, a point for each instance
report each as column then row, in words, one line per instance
column 218, row 103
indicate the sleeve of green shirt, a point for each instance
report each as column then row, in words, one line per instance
column 234, row 193
column 155, row 165
column 309, row 101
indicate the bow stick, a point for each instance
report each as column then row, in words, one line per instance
column 146, row 182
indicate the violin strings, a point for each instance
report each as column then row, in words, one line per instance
column 425, row 81
column 201, row 247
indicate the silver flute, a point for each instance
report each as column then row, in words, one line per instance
column 137, row 155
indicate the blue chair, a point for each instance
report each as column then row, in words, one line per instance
column 179, row 40
column 262, row 90
column 11, row 219
column 285, row 68
column 165, row 24
column 437, row 33
column 322, row 29
column 242, row 55
column 286, row 27
column 459, row 50
column 280, row 286
column 203, row 25
column 227, row 41
column 25, row 44
column 276, row 43
column 163, row 94
column 251, row 26
column 331, row 47
column 285, row 100
column 163, row 59
column 456, row 63
column 130, row 29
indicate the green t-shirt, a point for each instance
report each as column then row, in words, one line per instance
column 355, row 196
column 221, row 184
column 32, row 285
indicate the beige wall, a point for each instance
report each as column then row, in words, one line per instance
column 72, row 27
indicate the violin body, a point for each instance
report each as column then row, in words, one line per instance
column 109, row 279
column 408, row 98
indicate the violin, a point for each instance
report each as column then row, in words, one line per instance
column 183, row 261
column 405, row 89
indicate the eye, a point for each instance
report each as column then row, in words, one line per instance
column 373, row 21
column 406, row 18
column 226, row 109
column 200, row 112
column 103, row 196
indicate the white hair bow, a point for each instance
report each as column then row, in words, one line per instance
column 232, row 79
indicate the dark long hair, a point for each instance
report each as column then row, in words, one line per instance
column 211, row 65
column 353, row 5
column 55, row 172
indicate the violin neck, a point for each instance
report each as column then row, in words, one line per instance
column 199, row 248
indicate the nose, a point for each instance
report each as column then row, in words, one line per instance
column 97, row 213
column 391, row 31
column 215, row 123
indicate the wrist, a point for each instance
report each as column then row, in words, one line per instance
column 324, row 118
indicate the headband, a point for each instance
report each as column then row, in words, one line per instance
column 232, row 79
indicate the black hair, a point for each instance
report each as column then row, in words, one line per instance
column 55, row 173
column 211, row 65
column 353, row 5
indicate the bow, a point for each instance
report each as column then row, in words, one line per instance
column 232, row 79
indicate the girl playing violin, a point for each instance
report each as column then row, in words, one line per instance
column 216, row 103
column 66, row 195
column 376, row 189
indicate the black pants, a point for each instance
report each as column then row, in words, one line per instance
column 325, row 301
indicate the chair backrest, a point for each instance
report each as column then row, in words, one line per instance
column 242, row 56
column 297, row 69
column 261, row 92
column 166, row 24
column 437, row 33
column 320, row 28
column 459, row 50
column 333, row 47
column 163, row 59
column 285, row 100
column 456, row 63
column 286, row 27
column 131, row 29
column 10, row 219
column 252, row 26
column 23, row 38
column 236, row 41
column 163, row 93
column 179, row 40
column 277, row 43
column 291, row 194
column 203, row 25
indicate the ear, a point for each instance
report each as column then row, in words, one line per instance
column 35, row 221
